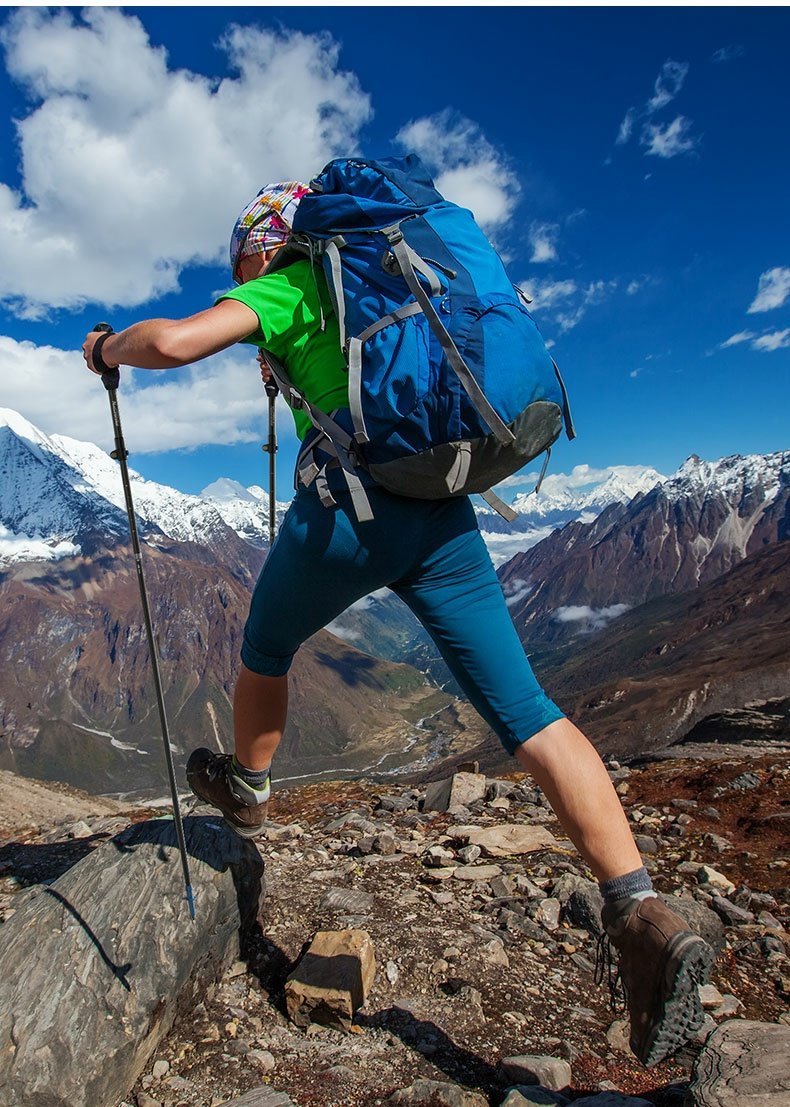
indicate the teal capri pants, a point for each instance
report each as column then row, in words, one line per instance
column 432, row 555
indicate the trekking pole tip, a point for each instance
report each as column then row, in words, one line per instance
column 191, row 901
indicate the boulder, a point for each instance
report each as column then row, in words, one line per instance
column 743, row 1064
column 332, row 979
column 510, row 839
column 261, row 1097
column 458, row 790
column 98, row 964
column 435, row 1093
column 553, row 1073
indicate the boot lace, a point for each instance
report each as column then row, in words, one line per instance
column 217, row 769
column 607, row 966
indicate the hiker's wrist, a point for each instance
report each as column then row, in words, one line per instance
column 101, row 354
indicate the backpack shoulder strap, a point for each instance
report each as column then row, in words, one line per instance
column 337, row 441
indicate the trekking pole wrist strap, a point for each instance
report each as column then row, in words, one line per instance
column 96, row 355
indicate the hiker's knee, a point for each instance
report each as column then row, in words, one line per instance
column 270, row 665
column 537, row 714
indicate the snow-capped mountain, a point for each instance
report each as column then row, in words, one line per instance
column 55, row 492
column 563, row 498
column 684, row 532
column 245, row 510
column 585, row 493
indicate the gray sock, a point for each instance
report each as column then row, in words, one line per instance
column 636, row 884
column 253, row 786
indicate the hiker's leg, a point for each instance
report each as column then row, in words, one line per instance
column 570, row 772
column 322, row 562
column 457, row 596
column 260, row 708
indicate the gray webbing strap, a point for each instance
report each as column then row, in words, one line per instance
column 543, row 470
column 422, row 267
column 322, row 488
column 499, row 429
column 333, row 253
column 459, row 470
column 570, row 430
column 355, row 364
column 503, row 509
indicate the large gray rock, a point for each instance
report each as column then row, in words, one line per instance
column 94, row 968
column 743, row 1064
column 462, row 788
column 583, row 908
column 533, row 1096
column 261, row 1097
column 510, row 839
column 553, row 1073
column 435, row 1093
column 332, row 980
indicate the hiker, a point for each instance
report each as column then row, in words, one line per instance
column 430, row 553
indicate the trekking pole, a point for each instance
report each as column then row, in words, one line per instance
column 270, row 448
column 111, row 380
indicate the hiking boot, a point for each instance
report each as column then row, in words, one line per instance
column 211, row 779
column 660, row 965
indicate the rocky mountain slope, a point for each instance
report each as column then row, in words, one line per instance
column 680, row 535
column 485, row 955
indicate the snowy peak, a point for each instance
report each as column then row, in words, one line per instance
column 43, row 500
column 56, row 493
column 226, row 490
column 245, row 510
column 730, row 476
column 587, row 490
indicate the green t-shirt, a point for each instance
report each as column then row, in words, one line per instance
column 288, row 304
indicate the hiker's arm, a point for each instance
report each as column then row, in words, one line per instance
column 168, row 343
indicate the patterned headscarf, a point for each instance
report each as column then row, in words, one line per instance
column 266, row 221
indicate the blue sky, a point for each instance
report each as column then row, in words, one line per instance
column 631, row 164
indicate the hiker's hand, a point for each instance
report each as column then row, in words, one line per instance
column 87, row 350
column 266, row 373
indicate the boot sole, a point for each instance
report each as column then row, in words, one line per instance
column 689, row 962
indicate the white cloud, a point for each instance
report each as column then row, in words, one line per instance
column 592, row 618
column 776, row 340
column 345, row 633
column 773, row 289
column 132, row 170
column 566, row 302
column 516, row 590
column 219, row 401
column 595, row 293
column 765, row 342
column 670, row 140
column 668, row 84
column 547, row 294
column 543, row 239
column 727, row 53
column 626, row 127
column 467, row 169
column 737, row 339
column 585, row 476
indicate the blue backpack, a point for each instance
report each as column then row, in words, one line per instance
column 451, row 387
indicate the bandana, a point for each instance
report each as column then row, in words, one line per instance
column 266, row 221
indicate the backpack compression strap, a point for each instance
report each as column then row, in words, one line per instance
column 409, row 260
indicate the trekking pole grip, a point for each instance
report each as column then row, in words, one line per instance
column 111, row 378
